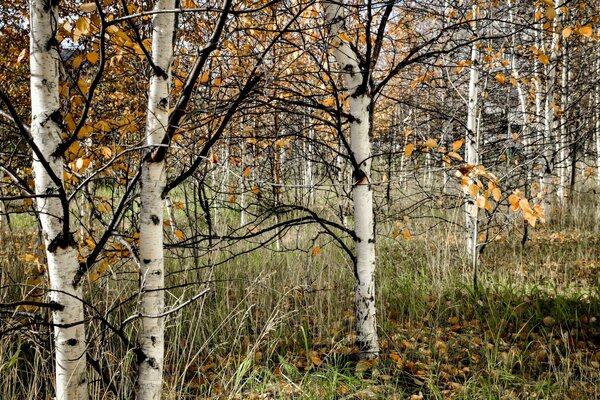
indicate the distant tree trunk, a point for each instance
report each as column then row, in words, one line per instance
column 563, row 150
column 362, row 194
column 549, row 124
column 61, row 251
column 472, row 157
column 151, row 337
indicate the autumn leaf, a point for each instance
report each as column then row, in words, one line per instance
column 496, row 194
column 567, row 32
column 246, row 172
column 316, row 251
column 514, row 202
column 179, row 234
column 430, row 143
column 408, row 150
column 458, row 144
column 501, row 78
column 406, row 234
column 586, row 31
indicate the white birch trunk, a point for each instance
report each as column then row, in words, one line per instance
column 151, row 339
column 69, row 331
column 549, row 136
column 472, row 155
column 563, row 142
column 362, row 193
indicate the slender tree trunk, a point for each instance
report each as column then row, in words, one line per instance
column 549, row 124
column 69, row 331
column 151, row 337
column 362, row 194
column 472, row 158
column 563, row 149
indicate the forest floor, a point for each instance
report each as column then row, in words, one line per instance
column 279, row 325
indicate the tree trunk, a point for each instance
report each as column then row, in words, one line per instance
column 151, row 339
column 472, row 157
column 362, row 194
column 69, row 329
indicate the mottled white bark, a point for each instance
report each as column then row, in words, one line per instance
column 563, row 142
column 69, row 329
column 472, row 154
column 151, row 337
column 362, row 194
column 549, row 124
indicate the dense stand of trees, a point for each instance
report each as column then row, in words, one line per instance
column 203, row 130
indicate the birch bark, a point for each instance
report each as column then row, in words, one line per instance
column 362, row 194
column 69, row 329
column 151, row 339
column 472, row 155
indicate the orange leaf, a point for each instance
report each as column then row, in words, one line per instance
column 458, row 144
column 586, row 31
column 431, row 143
column 406, row 234
column 179, row 234
column 247, row 171
column 408, row 150
column 316, row 251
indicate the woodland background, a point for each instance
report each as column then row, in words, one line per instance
column 299, row 199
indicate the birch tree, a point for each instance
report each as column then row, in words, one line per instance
column 472, row 152
column 356, row 80
column 153, row 181
column 52, row 204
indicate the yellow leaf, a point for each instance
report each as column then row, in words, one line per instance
column 567, row 32
column 205, row 77
column 316, row 251
column 514, row 202
column 458, row 144
column 83, row 26
column 93, row 276
column 586, row 31
column 329, row 102
column 550, row 12
column 83, row 86
column 77, row 61
column 107, row 152
column 90, row 243
column 501, row 78
column 524, row 204
column 429, row 143
column 92, row 57
column 217, row 81
column 179, row 234
column 406, row 234
column 496, row 194
column 247, row 171
column 455, row 155
column 408, row 150
column 473, row 190
column 344, row 37
column 543, row 58
column 87, row 7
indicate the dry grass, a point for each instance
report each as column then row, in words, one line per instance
column 279, row 325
